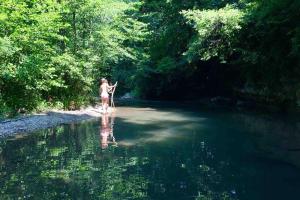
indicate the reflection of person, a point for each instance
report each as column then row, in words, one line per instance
column 103, row 90
column 106, row 132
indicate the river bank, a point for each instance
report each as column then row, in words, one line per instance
column 52, row 118
column 46, row 120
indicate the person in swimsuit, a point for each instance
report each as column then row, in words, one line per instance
column 104, row 89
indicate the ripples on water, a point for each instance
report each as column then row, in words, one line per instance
column 156, row 153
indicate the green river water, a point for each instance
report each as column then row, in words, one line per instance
column 157, row 151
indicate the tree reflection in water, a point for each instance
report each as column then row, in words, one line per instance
column 161, row 154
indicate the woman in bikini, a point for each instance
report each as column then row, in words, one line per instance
column 104, row 89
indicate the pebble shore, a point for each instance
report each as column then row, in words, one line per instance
column 46, row 120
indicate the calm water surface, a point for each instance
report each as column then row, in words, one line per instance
column 157, row 152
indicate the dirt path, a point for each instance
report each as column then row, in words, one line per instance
column 46, row 120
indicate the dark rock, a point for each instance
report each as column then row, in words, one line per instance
column 22, row 110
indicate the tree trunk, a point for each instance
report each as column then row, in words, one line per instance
column 74, row 32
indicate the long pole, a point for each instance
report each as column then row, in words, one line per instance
column 112, row 103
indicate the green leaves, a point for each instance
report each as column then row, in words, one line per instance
column 216, row 32
column 59, row 49
column 7, row 48
column 29, row 37
column 166, row 65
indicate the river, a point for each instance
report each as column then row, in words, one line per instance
column 157, row 151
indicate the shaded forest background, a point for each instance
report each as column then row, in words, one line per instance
column 53, row 52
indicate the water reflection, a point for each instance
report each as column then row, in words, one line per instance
column 106, row 131
column 149, row 125
column 162, row 154
column 277, row 137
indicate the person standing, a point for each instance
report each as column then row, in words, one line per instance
column 103, row 90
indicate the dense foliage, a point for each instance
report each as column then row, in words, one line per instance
column 246, row 48
column 54, row 52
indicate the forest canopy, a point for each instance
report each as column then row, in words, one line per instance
column 53, row 52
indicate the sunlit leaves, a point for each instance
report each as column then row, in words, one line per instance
column 29, row 36
column 216, row 32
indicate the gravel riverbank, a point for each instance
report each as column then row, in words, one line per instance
column 45, row 120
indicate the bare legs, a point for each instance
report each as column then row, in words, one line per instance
column 105, row 102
